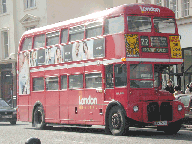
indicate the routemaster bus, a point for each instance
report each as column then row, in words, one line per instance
column 104, row 68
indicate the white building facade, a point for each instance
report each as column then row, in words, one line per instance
column 17, row 16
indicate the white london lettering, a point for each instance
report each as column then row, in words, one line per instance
column 89, row 101
column 150, row 9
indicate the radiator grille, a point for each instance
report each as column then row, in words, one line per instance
column 159, row 113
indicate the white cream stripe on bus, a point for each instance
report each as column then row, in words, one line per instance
column 106, row 62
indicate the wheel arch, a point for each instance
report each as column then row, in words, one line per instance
column 109, row 106
column 37, row 103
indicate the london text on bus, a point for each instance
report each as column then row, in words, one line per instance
column 105, row 68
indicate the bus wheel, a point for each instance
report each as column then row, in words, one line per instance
column 172, row 128
column 117, row 123
column 39, row 118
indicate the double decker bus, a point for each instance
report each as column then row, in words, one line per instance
column 105, row 68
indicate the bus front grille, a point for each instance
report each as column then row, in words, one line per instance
column 159, row 113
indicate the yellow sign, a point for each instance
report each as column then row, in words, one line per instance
column 132, row 45
column 176, row 51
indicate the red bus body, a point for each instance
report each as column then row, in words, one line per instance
column 91, row 106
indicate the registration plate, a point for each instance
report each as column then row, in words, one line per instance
column 160, row 123
column 7, row 116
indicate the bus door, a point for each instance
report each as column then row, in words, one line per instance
column 52, row 96
column 109, row 83
column 64, row 98
column 93, row 98
column 75, row 94
column 120, row 82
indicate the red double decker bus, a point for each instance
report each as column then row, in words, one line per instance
column 105, row 68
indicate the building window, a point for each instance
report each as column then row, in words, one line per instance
column 173, row 5
column 185, row 8
column 158, row 2
column 29, row 28
column 5, row 43
column 29, row 3
column 3, row 6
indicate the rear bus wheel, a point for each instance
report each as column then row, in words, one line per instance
column 117, row 123
column 39, row 118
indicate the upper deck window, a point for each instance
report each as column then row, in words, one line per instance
column 94, row 29
column 76, row 33
column 64, row 36
column 114, row 25
column 139, row 24
column 39, row 41
column 27, row 44
column 164, row 25
column 52, row 38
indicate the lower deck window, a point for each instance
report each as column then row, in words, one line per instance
column 38, row 84
column 93, row 80
column 64, row 82
column 52, row 83
column 76, row 81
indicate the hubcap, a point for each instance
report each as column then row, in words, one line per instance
column 116, row 121
column 38, row 117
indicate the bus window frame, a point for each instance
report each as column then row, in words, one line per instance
column 100, row 72
column 140, row 15
column 33, row 47
column 61, row 81
column 83, row 80
column 87, row 23
column 48, row 76
column 129, row 79
column 39, row 76
column 114, row 16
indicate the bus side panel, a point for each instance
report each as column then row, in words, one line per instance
column 23, row 108
column 64, row 109
column 94, row 110
column 35, row 96
column 52, row 106
column 76, row 112
column 115, row 46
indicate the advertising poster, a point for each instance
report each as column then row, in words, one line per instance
column 62, row 53
column 41, row 57
column 24, row 79
column 99, row 48
column 87, row 50
column 132, row 45
column 77, row 51
column 68, row 53
column 33, row 58
column 50, row 55
column 58, row 55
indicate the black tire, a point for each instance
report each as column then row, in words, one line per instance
column 116, row 122
column 13, row 122
column 39, row 118
column 172, row 128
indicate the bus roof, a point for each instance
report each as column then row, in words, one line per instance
column 132, row 9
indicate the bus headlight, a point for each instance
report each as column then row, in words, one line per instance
column 180, row 107
column 135, row 108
